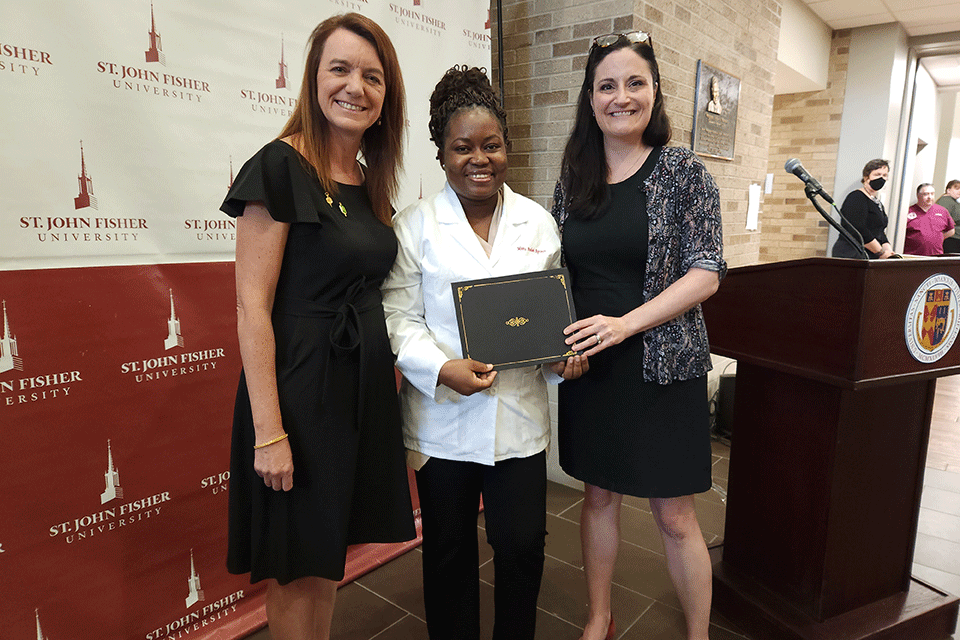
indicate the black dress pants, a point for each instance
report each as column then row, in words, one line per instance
column 514, row 498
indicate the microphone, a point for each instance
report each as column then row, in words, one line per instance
column 793, row 166
column 846, row 230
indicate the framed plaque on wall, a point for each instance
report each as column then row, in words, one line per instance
column 715, row 112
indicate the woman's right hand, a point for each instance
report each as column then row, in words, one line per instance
column 274, row 463
column 466, row 377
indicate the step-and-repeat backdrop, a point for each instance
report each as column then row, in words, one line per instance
column 123, row 124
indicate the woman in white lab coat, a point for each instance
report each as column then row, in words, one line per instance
column 471, row 431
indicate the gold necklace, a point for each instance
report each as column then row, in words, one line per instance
column 636, row 163
column 343, row 209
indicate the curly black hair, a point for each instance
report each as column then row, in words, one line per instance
column 462, row 88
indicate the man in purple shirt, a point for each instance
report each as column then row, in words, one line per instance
column 927, row 224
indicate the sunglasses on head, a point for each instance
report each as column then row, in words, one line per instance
column 633, row 37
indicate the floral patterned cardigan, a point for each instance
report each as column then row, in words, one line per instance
column 685, row 231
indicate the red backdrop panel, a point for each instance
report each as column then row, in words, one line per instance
column 116, row 405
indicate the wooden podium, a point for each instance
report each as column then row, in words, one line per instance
column 831, row 421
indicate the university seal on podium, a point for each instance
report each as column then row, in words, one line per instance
column 931, row 324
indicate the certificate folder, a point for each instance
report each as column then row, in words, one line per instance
column 515, row 321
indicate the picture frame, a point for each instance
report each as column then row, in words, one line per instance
column 715, row 105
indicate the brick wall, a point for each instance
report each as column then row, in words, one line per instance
column 545, row 47
column 805, row 126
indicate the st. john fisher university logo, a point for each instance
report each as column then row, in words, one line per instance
column 174, row 337
column 9, row 359
column 154, row 52
column 111, row 477
column 931, row 324
column 40, row 635
column 282, row 78
column 85, row 198
column 194, row 592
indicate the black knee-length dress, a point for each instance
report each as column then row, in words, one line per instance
column 616, row 430
column 335, row 379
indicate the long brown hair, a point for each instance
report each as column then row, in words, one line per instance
column 382, row 144
column 583, row 169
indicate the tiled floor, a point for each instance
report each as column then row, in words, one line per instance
column 387, row 604
column 936, row 558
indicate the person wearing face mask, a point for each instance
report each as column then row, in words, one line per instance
column 950, row 201
column 928, row 224
column 471, row 431
column 863, row 212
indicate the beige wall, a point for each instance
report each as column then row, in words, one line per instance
column 545, row 46
column 803, row 57
column 805, row 126
column 948, row 144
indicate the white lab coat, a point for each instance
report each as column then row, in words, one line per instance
column 438, row 247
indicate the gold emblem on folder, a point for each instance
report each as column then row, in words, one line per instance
column 519, row 321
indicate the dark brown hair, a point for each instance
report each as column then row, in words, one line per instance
column 382, row 143
column 873, row 165
column 583, row 170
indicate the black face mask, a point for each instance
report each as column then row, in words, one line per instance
column 877, row 183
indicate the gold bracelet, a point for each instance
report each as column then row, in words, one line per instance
column 274, row 441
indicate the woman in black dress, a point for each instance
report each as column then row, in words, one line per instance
column 641, row 235
column 317, row 456
column 864, row 213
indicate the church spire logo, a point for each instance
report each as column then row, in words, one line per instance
column 282, row 78
column 85, row 198
column 40, row 635
column 9, row 359
column 174, row 337
column 155, row 52
column 194, row 592
column 111, row 477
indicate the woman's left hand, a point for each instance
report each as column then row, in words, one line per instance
column 571, row 368
column 594, row 334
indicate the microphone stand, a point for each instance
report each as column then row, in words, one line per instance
column 855, row 241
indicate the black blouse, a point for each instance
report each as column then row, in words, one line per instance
column 865, row 215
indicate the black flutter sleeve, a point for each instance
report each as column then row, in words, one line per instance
column 276, row 177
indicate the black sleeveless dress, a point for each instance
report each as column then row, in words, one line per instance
column 616, row 431
column 336, row 382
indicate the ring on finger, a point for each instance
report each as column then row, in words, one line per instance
column 599, row 339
